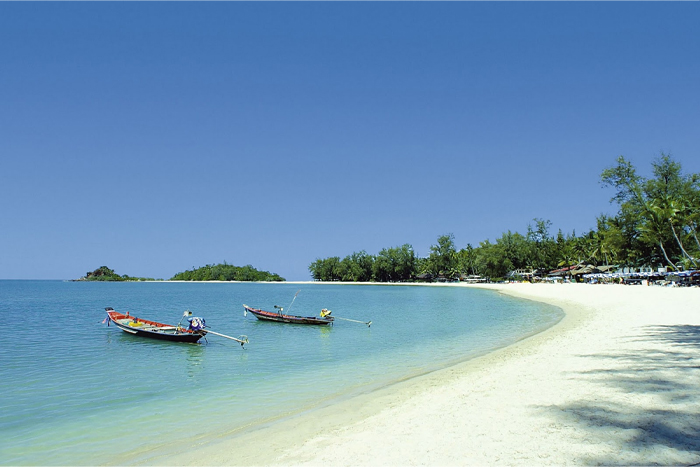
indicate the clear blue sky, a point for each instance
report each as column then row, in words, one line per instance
column 154, row 137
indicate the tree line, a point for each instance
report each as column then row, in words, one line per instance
column 226, row 272
column 656, row 225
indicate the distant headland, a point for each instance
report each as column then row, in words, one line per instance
column 210, row 272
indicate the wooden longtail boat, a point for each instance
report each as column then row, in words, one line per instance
column 289, row 319
column 145, row 328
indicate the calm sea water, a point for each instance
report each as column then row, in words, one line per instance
column 77, row 392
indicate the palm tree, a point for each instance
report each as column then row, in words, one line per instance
column 669, row 210
column 651, row 229
column 568, row 256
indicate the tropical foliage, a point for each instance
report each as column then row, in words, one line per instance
column 658, row 217
column 656, row 225
column 397, row 264
column 105, row 274
column 226, row 272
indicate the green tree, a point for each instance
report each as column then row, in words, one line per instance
column 567, row 251
column 492, row 260
column 327, row 269
column 657, row 214
column 540, row 245
column 609, row 240
column 356, row 267
column 671, row 195
column 514, row 247
column 395, row 264
column 466, row 260
column 443, row 260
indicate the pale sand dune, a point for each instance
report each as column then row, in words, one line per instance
column 617, row 381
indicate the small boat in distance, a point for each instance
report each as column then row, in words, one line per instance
column 280, row 317
column 145, row 328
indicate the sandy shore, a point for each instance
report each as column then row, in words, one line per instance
column 617, row 381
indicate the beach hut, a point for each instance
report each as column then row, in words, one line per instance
column 561, row 273
column 425, row 277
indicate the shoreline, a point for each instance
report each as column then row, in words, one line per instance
column 564, row 396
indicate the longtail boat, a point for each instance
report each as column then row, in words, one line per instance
column 145, row 328
column 280, row 317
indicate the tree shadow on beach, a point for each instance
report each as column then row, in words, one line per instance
column 653, row 412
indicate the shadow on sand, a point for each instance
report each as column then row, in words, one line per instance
column 661, row 371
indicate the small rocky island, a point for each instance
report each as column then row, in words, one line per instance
column 105, row 274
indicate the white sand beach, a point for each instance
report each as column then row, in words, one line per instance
column 617, row 381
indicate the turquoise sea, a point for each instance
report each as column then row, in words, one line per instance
column 77, row 392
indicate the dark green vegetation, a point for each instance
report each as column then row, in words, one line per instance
column 656, row 225
column 210, row 272
column 658, row 218
column 103, row 273
column 226, row 272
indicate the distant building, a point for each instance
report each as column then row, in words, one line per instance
column 472, row 278
column 525, row 274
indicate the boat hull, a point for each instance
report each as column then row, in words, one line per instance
column 288, row 319
column 153, row 330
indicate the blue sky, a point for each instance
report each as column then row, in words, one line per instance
column 157, row 137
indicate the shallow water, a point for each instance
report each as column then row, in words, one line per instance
column 78, row 392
